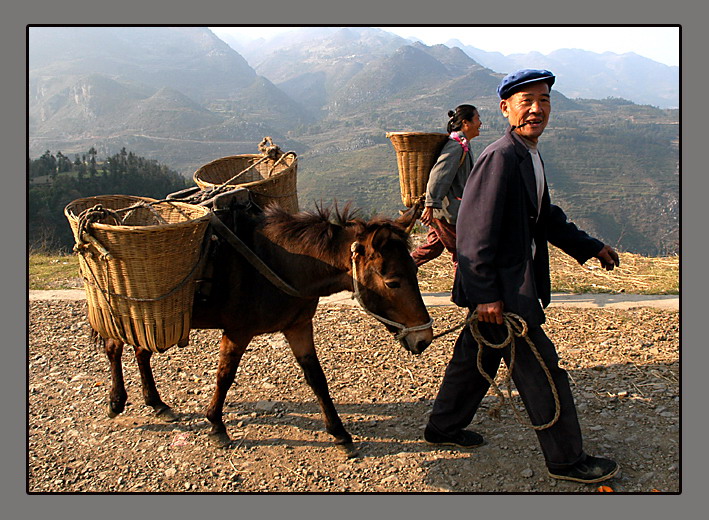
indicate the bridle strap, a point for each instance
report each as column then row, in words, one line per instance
column 403, row 330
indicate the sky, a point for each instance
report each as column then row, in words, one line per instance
column 660, row 44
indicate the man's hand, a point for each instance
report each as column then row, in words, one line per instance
column 427, row 216
column 490, row 312
column 608, row 257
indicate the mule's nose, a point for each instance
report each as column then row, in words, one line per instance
column 417, row 342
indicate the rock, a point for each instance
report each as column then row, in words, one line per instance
column 527, row 473
column 646, row 477
column 265, row 406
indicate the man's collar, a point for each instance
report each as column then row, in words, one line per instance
column 521, row 144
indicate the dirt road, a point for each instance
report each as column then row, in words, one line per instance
column 624, row 367
column 584, row 301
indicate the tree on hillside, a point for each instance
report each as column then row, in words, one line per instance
column 124, row 173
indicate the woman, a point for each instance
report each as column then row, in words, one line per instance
column 445, row 185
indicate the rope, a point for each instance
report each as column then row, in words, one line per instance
column 96, row 213
column 516, row 327
column 448, row 331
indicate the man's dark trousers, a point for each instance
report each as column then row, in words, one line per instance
column 463, row 389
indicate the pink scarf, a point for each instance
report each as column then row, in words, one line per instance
column 460, row 137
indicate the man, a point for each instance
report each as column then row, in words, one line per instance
column 505, row 222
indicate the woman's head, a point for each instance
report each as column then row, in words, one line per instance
column 464, row 118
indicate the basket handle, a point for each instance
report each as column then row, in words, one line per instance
column 89, row 239
column 225, row 183
column 271, row 170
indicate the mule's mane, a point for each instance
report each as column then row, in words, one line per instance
column 319, row 232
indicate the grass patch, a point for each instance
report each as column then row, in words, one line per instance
column 636, row 275
column 48, row 271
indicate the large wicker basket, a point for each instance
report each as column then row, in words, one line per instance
column 270, row 178
column 139, row 266
column 416, row 153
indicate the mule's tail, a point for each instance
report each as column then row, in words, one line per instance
column 97, row 341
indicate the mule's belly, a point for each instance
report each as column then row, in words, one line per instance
column 256, row 316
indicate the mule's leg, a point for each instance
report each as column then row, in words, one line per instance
column 150, row 391
column 118, row 396
column 231, row 349
column 300, row 339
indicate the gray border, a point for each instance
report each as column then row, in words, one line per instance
column 323, row 12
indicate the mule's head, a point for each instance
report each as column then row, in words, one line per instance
column 385, row 281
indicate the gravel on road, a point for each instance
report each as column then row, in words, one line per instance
column 623, row 365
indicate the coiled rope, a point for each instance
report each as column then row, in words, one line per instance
column 516, row 328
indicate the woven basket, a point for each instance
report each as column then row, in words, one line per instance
column 269, row 180
column 139, row 274
column 416, row 153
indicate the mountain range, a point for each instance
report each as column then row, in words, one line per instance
column 184, row 97
column 585, row 74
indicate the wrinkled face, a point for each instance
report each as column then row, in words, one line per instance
column 528, row 109
column 388, row 287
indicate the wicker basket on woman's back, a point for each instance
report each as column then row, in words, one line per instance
column 416, row 153
column 270, row 176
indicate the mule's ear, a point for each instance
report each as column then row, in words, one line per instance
column 409, row 217
column 380, row 237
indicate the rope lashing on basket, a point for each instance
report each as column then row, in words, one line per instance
column 267, row 148
column 403, row 330
column 83, row 237
column 516, row 327
column 269, row 151
column 101, row 214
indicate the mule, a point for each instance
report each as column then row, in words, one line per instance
column 316, row 253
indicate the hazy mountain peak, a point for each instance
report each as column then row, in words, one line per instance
column 173, row 98
column 627, row 75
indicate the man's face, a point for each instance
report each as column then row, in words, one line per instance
column 529, row 107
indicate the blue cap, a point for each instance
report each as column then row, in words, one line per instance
column 511, row 83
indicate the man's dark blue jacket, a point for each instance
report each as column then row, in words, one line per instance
column 497, row 222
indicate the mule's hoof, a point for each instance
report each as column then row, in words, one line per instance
column 219, row 439
column 349, row 450
column 166, row 415
column 111, row 412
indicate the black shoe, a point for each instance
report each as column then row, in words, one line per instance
column 461, row 439
column 590, row 471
